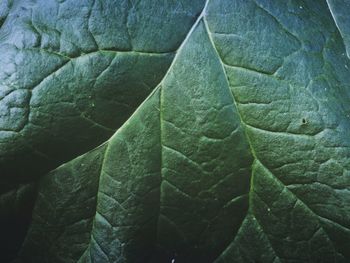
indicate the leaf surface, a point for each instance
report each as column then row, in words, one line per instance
column 240, row 154
column 339, row 10
column 71, row 73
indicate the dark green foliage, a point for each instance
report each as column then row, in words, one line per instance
column 240, row 153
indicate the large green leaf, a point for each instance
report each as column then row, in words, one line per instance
column 241, row 154
column 71, row 73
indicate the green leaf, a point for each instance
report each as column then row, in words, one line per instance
column 241, row 154
column 71, row 73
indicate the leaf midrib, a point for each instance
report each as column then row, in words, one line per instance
column 256, row 159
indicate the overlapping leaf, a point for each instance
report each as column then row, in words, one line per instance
column 71, row 73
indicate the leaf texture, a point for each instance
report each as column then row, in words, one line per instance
column 339, row 10
column 71, row 73
column 241, row 153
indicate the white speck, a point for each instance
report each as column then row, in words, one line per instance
column 268, row 209
column 346, row 66
column 173, row 260
column 300, row 7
